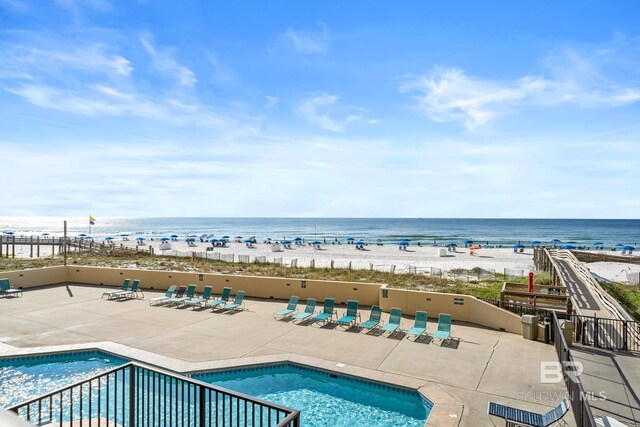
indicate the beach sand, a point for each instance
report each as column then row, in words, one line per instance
column 382, row 257
column 613, row 271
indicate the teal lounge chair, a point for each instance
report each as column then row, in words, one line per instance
column 327, row 313
column 197, row 302
column 375, row 319
column 237, row 304
column 419, row 328
column 7, row 291
column 131, row 293
column 123, row 288
column 308, row 310
column 286, row 312
column 444, row 327
column 167, row 296
column 226, row 293
column 181, row 298
column 393, row 326
column 517, row 417
column 350, row 316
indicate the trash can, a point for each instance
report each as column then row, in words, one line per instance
column 567, row 330
column 547, row 330
column 529, row 327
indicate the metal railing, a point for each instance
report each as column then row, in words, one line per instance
column 579, row 398
column 134, row 395
column 612, row 334
column 521, row 309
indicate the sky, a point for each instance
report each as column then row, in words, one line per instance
column 500, row 109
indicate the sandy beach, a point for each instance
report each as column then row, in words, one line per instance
column 382, row 257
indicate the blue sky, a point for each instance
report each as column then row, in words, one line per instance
column 345, row 109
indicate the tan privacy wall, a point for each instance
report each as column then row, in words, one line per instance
column 463, row 308
column 36, row 277
column 255, row 286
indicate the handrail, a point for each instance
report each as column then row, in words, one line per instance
column 579, row 403
column 134, row 398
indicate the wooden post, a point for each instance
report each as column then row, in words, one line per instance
column 31, row 247
column 38, row 250
column 0, row 246
column 13, row 248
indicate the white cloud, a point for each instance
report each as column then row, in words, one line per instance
column 306, row 42
column 311, row 108
column 272, row 101
column 162, row 59
column 15, row 5
column 449, row 94
column 221, row 74
column 75, row 7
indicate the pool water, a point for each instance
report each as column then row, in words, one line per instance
column 326, row 399
column 26, row 377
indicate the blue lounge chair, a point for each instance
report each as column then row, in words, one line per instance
column 131, row 293
column 7, row 291
column 514, row 416
column 419, row 326
column 375, row 319
column 224, row 298
column 444, row 327
column 395, row 317
column 123, row 288
column 286, row 312
column 181, row 299
column 237, row 304
column 197, row 302
column 351, row 315
column 167, row 296
column 327, row 312
column 308, row 310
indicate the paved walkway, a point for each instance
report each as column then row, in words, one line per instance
column 581, row 293
column 478, row 366
column 614, row 376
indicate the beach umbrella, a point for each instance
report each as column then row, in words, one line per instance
column 360, row 242
column 475, row 247
column 248, row 241
column 618, row 244
column 556, row 241
column 46, row 234
column 225, row 237
column 378, row 240
column 11, row 233
column 350, row 238
column 86, row 236
column 567, row 247
column 108, row 238
column 316, row 242
column 535, row 242
column 164, row 239
column 174, row 236
column 190, row 239
column 124, row 235
column 598, row 243
column 518, row 246
column 214, row 240
column 628, row 248
column 468, row 242
column 451, row 245
column 238, row 237
column 287, row 242
column 268, row 239
column 298, row 238
column 79, row 235
column 140, row 239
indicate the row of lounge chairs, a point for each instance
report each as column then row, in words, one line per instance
column 7, row 291
column 352, row 318
column 185, row 296
column 125, row 292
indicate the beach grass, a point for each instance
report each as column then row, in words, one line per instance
column 627, row 296
column 477, row 282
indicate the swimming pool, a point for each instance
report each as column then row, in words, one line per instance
column 25, row 377
column 325, row 398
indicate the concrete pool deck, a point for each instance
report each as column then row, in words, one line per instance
column 461, row 377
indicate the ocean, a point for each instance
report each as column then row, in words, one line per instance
column 389, row 230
